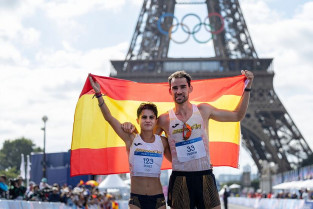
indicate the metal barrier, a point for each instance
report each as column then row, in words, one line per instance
column 21, row 204
column 273, row 203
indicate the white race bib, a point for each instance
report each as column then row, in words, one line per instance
column 147, row 162
column 190, row 150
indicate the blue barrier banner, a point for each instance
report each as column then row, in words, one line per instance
column 308, row 205
column 264, row 203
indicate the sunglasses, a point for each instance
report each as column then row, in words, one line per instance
column 186, row 131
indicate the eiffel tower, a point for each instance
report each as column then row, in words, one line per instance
column 268, row 132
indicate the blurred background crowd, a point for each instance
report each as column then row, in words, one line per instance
column 81, row 196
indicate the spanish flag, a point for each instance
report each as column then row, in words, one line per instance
column 97, row 149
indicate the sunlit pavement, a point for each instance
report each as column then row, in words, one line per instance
column 231, row 206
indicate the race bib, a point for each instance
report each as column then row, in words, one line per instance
column 147, row 162
column 190, row 150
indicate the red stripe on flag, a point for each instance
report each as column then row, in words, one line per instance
column 203, row 90
column 104, row 161
column 222, row 152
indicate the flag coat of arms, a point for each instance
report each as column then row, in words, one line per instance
column 96, row 148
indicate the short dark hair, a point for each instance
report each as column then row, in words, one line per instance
column 180, row 74
column 147, row 106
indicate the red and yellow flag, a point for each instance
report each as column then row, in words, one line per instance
column 97, row 149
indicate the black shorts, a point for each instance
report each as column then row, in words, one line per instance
column 193, row 189
column 147, row 201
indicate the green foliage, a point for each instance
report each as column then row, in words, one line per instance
column 11, row 173
column 10, row 154
column 232, row 182
column 255, row 184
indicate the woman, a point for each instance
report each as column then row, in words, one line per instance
column 145, row 151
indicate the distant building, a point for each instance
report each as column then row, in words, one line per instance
column 224, row 178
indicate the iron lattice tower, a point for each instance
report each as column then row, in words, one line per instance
column 269, row 134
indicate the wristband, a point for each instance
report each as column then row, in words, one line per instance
column 98, row 94
column 247, row 89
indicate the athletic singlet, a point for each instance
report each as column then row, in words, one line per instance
column 145, row 159
column 193, row 153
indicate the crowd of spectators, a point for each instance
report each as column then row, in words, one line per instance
column 287, row 194
column 79, row 196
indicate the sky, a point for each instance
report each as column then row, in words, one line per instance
column 49, row 47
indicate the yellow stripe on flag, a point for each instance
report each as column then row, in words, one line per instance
column 92, row 131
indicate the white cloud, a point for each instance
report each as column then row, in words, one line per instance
column 93, row 60
column 50, row 86
column 66, row 9
column 10, row 54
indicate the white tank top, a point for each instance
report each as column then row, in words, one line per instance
column 145, row 159
column 190, row 154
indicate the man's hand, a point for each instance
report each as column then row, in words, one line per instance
column 249, row 75
column 95, row 85
column 129, row 128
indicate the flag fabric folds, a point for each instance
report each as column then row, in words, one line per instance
column 96, row 148
column 22, row 167
column 28, row 169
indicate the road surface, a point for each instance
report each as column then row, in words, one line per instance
column 232, row 206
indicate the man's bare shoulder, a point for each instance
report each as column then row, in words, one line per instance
column 205, row 109
column 163, row 118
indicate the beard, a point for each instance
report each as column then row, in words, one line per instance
column 181, row 101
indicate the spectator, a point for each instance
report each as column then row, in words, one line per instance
column 55, row 195
column 17, row 190
column 37, row 194
column 30, row 190
column 43, row 184
column 305, row 195
column 225, row 196
column 3, row 187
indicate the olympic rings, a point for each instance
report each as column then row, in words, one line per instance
column 222, row 20
column 170, row 33
column 186, row 29
column 162, row 18
column 191, row 14
column 197, row 40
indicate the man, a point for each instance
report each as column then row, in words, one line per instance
column 225, row 196
column 17, row 190
column 3, row 187
column 191, row 162
column 192, row 183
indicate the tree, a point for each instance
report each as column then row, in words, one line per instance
column 10, row 154
column 11, row 173
column 255, row 184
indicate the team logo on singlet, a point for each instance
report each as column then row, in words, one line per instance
column 180, row 130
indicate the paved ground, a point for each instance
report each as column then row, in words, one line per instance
column 231, row 206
